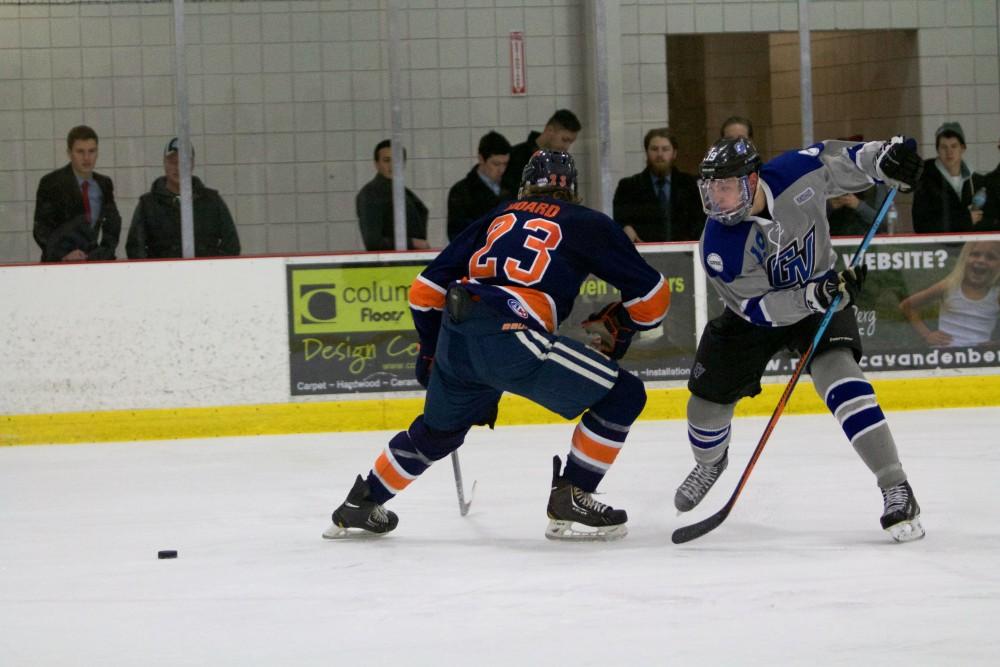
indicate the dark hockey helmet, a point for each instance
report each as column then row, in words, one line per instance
column 548, row 172
column 725, row 185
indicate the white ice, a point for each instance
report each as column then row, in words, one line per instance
column 800, row 573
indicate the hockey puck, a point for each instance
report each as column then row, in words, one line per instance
column 169, row 553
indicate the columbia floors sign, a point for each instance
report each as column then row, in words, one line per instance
column 350, row 328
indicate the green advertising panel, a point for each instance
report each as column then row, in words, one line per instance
column 666, row 352
column 350, row 328
column 351, row 298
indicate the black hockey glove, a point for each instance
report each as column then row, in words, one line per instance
column 820, row 294
column 898, row 164
column 612, row 329
column 424, row 365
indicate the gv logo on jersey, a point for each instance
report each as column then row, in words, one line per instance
column 792, row 265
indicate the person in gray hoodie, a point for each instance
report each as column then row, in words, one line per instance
column 156, row 223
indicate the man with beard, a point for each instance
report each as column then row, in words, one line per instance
column 659, row 203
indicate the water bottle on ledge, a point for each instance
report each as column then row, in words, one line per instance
column 891, row 218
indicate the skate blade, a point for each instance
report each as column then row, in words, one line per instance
column 335, row 532
column 906, row 531
column 571, row 531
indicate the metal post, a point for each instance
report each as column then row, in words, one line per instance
column 395, row 96
column 183, row 131
column 805, row 73
column 603, row 105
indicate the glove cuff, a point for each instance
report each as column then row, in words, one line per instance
column 812, row 298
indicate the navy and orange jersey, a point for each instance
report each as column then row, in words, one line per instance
column 528, row 258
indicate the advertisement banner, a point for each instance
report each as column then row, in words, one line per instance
column 924, row 306
column 929, row 306
column 350, row 328
column 661, row 354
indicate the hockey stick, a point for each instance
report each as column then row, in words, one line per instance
column 463, row 507
column 696, row 530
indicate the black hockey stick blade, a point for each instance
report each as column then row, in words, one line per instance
column 703, row 527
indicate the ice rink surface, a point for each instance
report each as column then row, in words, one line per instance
column 800, row 573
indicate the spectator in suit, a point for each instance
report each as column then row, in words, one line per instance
column 942, row 200
column 481, row 190
column 76, row 218
column 375, row 211
column 659, row 203
column 558, row 135
column 156, row 223
column 736, row 127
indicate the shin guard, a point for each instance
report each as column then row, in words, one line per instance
column 709, row 429
column 408, row 455
column 851, row 399
column 602, row 431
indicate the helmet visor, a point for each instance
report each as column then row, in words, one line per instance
column 726, row 199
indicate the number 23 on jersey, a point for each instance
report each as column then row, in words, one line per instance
column 483, row 263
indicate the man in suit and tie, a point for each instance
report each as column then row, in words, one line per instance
column 659, row 203
column 76, row 217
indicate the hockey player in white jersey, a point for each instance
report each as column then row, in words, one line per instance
column 766, row 249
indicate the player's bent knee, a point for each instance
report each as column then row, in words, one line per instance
column 625, row 402
column 703, row 411
column 433, row 443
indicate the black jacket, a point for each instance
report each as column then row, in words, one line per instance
column 156, row 224
column 60, row 227
column 375, row 215
column 936, row 207
column 519, row 156
column 469, row 200
column 636, row 204
column 991, row 212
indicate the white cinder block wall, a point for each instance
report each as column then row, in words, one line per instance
column 289, row 98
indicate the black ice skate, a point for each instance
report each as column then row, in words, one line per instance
column 698, row 482
column 901, row 515
column 360, row 516
column 575, row 515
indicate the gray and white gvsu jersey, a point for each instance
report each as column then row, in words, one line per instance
column 760, row 267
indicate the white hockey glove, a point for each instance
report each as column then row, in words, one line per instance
column 820, row 294
column 897, row 163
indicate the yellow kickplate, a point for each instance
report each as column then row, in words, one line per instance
column 397, row 413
